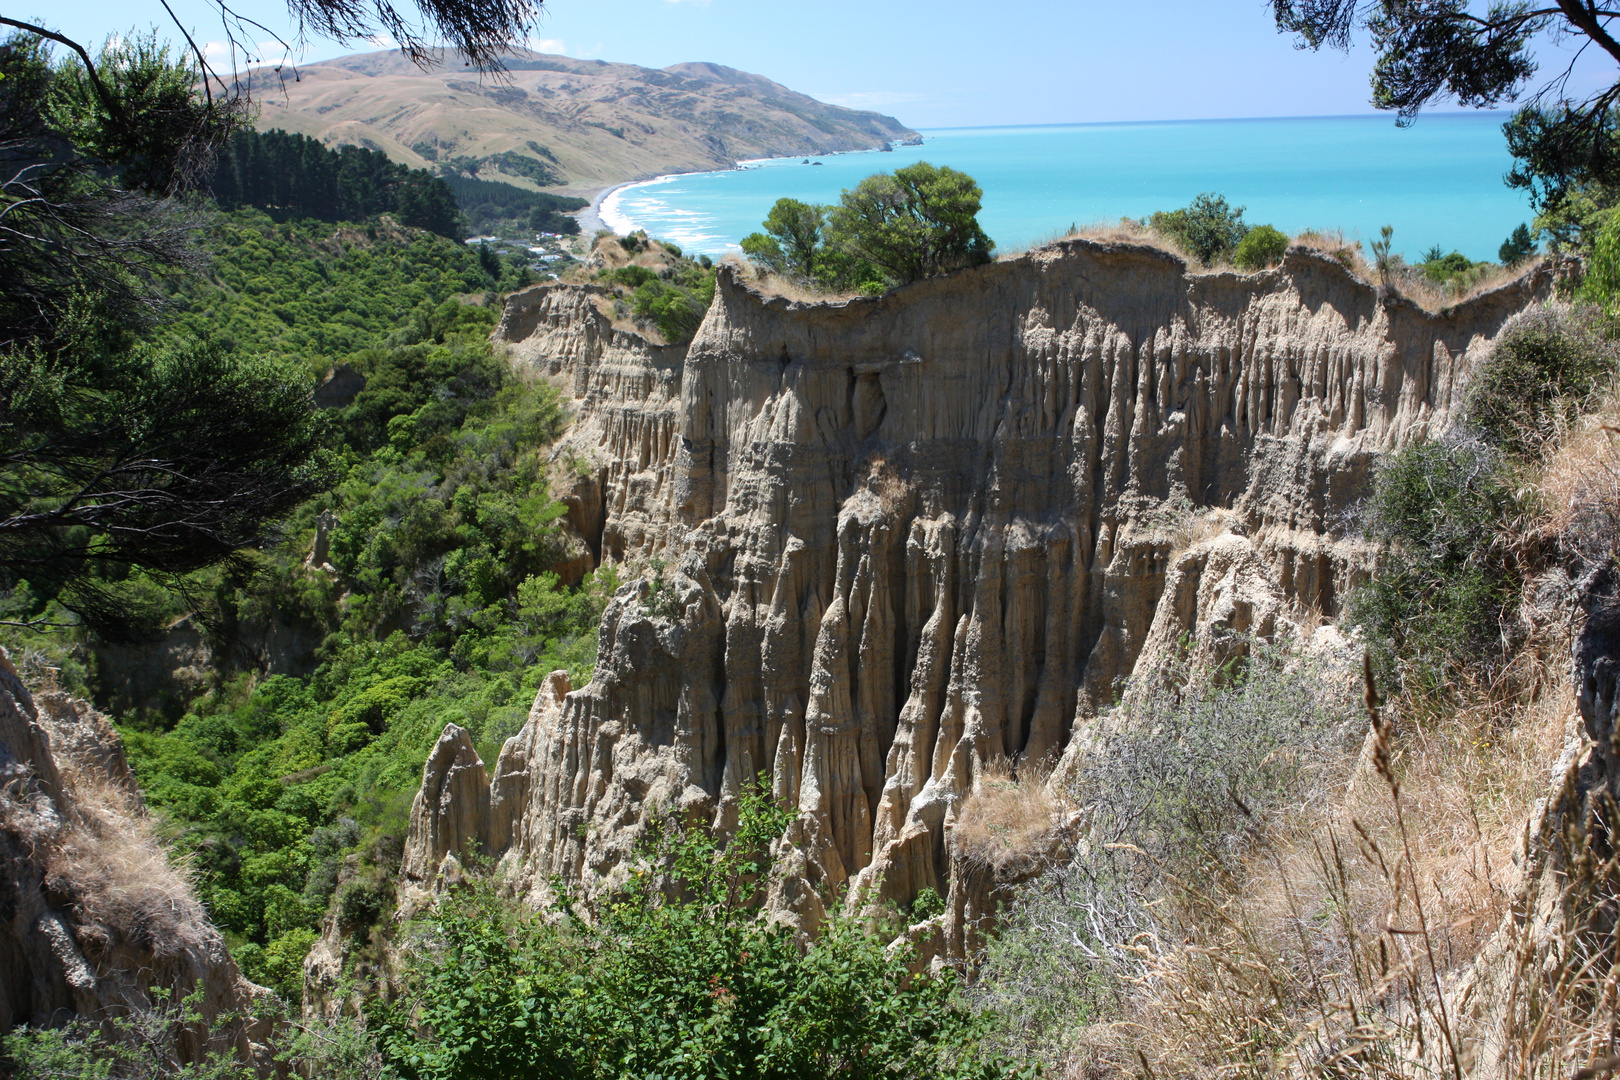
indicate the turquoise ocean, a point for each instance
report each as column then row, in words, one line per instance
column 1437, row 182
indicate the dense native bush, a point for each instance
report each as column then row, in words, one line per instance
column 680, row 974
column 1187, row 776
column 1438, row 606
column 492, row 206
column 439, row 604
column 671, row 297
column 297, row 176
column 1208, row 228
column 1545, row 367
column 318, row 292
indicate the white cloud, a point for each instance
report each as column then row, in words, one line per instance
column 872, row 99
column 548, row 45
column 213, row 49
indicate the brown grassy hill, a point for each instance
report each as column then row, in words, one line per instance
column 562, row 124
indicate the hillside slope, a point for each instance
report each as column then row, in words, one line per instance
column 559, row 123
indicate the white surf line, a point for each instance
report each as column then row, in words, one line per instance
column 607, row 210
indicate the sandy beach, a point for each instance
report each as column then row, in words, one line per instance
column 590, row 218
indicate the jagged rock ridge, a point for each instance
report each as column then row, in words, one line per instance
column 914, row 536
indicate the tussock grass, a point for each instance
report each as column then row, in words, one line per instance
column 102, row 855
column 1580, row 482
column 1011, row 819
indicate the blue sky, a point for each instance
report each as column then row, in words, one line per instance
column 936, row 64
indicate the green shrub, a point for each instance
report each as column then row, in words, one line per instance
column 1261, row 246
column 1441, row 600
column 1443, row 268
column 1207, row 229
column 677, row 310
column 1544, row 368
column 127, row 1044
column 1601, row 284
column 679, row 975
column 629, row 276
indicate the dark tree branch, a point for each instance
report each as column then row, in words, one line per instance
column 107, row 100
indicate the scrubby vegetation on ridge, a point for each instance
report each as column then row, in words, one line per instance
column 657, row 289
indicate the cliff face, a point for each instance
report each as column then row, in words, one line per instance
column 913, row 537
column 93, row 916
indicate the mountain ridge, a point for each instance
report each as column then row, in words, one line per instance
column 560, row 124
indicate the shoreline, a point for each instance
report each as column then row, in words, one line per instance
column 590, row 219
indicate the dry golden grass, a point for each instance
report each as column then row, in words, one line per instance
column 795, row 289
column 1343, row 943
column 1009, row 820
column 102, row 855
column 126, row 886
column 1432, row 296
column 1579, row 485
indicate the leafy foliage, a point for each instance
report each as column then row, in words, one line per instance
column 1564, row 149
column 1518, row 247
column 677, row 306
column 306, row 290
column 491, row 206
column 892, row 229
column 1207, row 229
column 917, row 222
column 439, row 605
column 677, row 975
column 1260, row 247
column 1442, row 597
column 157, row 459
column 1545, row 366
column 299, row 177
column 73, row 235
column 125, row 464
column 142, row 116
column 137, row 1044
column 791, row 242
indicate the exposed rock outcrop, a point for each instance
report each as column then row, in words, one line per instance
column 93, row 916
column 917, row 535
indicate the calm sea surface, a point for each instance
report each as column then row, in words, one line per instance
column 1438, row 182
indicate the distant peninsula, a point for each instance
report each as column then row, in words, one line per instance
column 558, row 124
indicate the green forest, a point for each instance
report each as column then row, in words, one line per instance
column 294, row 177
column 439, row 605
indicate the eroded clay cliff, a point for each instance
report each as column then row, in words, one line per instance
column 93, row 914
column 911, row 537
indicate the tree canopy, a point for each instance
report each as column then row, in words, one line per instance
column 1566, row 148
column 891, row 229
column 912, row 223
column 124, row 464
column 277, row 171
